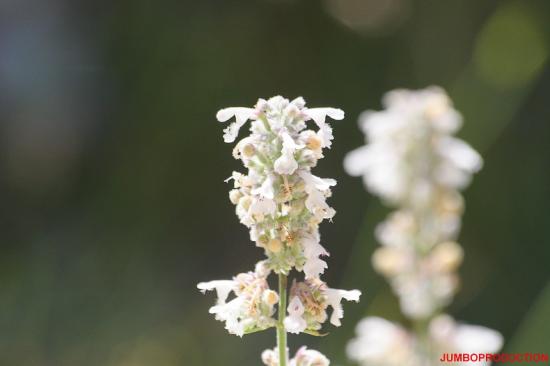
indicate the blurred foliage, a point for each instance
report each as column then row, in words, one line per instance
column 533, row 335
column 112, row 164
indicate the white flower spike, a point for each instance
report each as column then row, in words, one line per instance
column 414, row 163
column 282, row 204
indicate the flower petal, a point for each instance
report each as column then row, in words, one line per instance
column 241, row 116
column 294, row 323
column 334, row 299
column 357, row 161
column 266, row 190
column 319, row 115
column 222, row 287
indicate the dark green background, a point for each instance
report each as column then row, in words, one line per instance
column 113, row 204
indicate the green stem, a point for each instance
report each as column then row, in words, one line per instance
column 420, row 328
column 281, row 332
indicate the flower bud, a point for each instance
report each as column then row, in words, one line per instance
column 451, row 203
column 447, row 256
column 262, row 241
column 245, row 202
column 234, row 196
column 313, row 142
column 436, row 106
column 270, row 297
column 248, row 150
column 389, row 261
column 274, row 245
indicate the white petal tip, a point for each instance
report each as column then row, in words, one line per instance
column 337, row 114
column 223, row 115
column 354, row 295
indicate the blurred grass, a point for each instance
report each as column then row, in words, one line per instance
column 533, row 335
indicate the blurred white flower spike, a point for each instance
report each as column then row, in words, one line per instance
column 383, row 343
column 413, row 162
column 411, row 153
column 282, row 204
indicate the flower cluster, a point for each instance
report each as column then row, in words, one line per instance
column 383, row 343
column 253, row 305
column 282, row 204
column 304, row 357
column 309, row 302
column 279, row 200
column 415, row 164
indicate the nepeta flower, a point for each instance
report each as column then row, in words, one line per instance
column 309, row 303
column 294, row 322
column 241, row 116
column 318, row 189
column 286, row 164
column 304, row 357
column 334, row 299
column 313, row 265
column 251, row 308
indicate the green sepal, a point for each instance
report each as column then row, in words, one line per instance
column 256, row 329
column 315, row 333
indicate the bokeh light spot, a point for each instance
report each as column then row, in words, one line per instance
column 511, row 48
column 373, row 17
